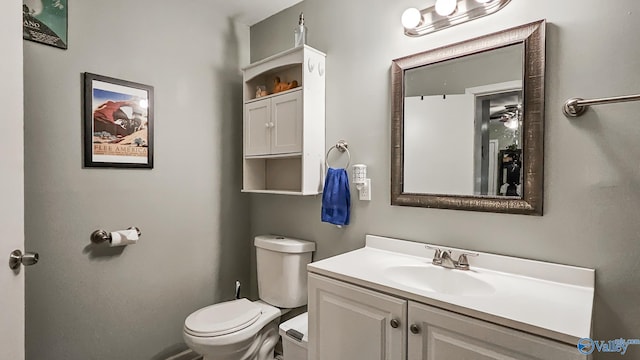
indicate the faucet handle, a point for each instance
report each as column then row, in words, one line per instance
column 437, row 249
column 437, row 256
column 463, row 262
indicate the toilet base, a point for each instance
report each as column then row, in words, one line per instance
column 259, row 347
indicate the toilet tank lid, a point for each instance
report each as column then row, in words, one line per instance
column 284, row 244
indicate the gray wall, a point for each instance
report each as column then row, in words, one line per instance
column 592, row 172
column 92, row 302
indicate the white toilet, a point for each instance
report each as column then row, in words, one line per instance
column 245, row 330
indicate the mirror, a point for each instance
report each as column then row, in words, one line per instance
column 467, row 124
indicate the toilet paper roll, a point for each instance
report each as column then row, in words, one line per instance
column 124, row 237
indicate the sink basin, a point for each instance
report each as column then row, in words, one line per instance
column 438, row 279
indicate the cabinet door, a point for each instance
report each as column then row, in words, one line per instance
column 257, row 128
column 347, row 322
column 444, row 335
column 286, row 117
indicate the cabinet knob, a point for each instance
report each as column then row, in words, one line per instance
column 415, row 329
column 394, row 323
column 310, row 65
column 266, row 125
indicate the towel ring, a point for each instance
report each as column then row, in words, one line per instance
column 341, row 146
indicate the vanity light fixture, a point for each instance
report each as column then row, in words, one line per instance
column 447, row 13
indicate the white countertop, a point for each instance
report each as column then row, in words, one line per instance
column 546, row 299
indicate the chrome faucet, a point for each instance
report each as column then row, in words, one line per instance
column 443, row 258
column 446, row 261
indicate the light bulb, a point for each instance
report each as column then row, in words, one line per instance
column 446, row 7
column 512, row 123
column 411, row 18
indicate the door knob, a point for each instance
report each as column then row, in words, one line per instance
column 415, row 329
column 17, row 257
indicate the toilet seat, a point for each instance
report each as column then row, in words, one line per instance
column 223, row 318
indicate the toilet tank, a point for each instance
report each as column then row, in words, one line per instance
column 282, row 269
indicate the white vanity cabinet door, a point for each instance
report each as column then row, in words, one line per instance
column 444, row 335
column 347, row 322
column 257, row 128
column 286, row 119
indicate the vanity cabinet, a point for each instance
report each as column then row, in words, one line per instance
column 347, row 321
column 351, row 322
column 284, row 132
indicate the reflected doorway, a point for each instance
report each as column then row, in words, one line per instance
column 498, row 142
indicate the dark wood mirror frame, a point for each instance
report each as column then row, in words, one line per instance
column 532, row 36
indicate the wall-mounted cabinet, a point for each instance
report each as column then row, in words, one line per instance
column 284, row 132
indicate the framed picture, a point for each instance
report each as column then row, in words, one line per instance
column 45, row 21
column 118, row 123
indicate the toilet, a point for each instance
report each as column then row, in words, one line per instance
column 244, row 330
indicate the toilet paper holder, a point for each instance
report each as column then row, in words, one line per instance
column 100, row 236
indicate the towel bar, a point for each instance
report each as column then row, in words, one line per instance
column 575, row 107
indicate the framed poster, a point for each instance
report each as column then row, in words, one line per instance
column 45, row 21
column 118, row 123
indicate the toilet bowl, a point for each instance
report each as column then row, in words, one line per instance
column 245, row 330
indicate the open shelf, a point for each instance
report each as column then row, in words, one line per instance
column 273, row 174
column 272, row 95
column 286, row 74
column 276, row 192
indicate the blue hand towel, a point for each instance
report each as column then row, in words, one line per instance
column 336, row 197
